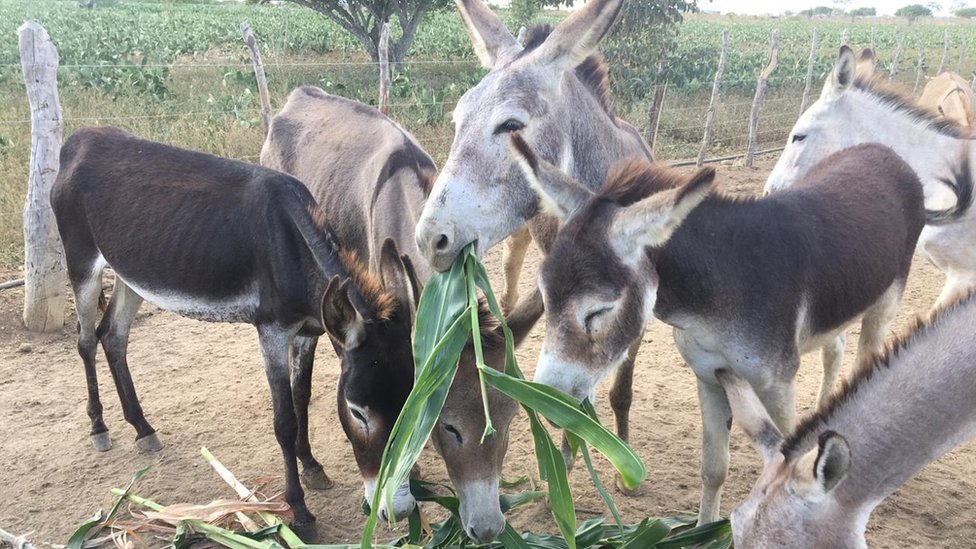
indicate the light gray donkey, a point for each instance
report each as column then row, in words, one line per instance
column 821, row 483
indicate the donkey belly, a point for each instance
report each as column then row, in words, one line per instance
column 237, row 307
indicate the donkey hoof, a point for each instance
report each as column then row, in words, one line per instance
column 415, row 471
column 305, row 528
column 316, row 479
column 149, row 443
column 102, row 441
column 623, row 489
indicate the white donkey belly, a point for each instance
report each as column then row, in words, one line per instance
column 241, row 308
column 707, row 350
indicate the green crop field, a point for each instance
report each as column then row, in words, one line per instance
column 178, row 73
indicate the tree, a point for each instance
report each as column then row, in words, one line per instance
column 364, row 19
column 521, row 12
column 819, row 10
column 968, row 13
column 864, row 12
column 913, row 12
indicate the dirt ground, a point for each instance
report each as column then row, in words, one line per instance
column 202, row 385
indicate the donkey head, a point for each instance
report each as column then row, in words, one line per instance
column 832, row 123
column 373, row 343
column 598, row 282
column 480, row 195
column 475, row 467
column 794, row 503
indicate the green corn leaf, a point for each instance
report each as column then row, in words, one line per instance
column 552, row 469
column 511, row 540
column 87, row 527
column 562, row 410
column 716, row 531
column 508, row 503
column 648, row 534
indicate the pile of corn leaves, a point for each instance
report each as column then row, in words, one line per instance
column 446, row 318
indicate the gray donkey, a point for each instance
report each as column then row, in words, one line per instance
column 821, row 483
column 555, row 92
column 748, row 284
column 371, row 178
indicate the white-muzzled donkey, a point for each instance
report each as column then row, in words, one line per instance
column 821, row 483
column 554, row 90
column 856, row 108
column 748, row 284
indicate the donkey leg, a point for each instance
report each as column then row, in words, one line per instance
column 513, row 258
column 303, row 357
column 875, row 324
column 275, row 352
column 87, row 289
column 716, row 421
column 621, row 398
column 779, row 398
column 957, row 285
column 113, row 332
column 833, row 359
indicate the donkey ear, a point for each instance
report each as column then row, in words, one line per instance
column 341, row 319
column 651, row 221
column 841, row 77
column 491, row 40
column 820, row 470
column 749, row 413
column 525, row 315
column 865, row 63
column 418, row 287
column 579, row 35
column 558, row 193
column 395, row 277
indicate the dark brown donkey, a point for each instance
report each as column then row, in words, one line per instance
column 748, row 284
column 371, row 178
column 221, row 240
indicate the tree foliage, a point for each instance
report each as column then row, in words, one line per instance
column 364, row 19
column 819, row 10
column 913, row 12
column 968, row 13
column 864, row 12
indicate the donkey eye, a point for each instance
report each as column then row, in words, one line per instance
column 593, row 315
column 797, row 137
column 509, row 126
column 358, row 415
column 455, row 432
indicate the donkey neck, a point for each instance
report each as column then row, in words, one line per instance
column 590, row 140
column 930, row 152
column 907, row 413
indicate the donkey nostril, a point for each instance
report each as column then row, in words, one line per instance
column 443, row 242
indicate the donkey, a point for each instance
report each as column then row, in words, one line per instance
column 855, row 108
column 747, row 284
column 373, row 189
column 221, row 240
column 951, row 96
column 555, row 92
column 821, row 483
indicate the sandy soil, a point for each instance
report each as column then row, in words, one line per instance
column 202, row 385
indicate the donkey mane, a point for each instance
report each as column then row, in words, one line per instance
column 380, row 304
column 878, row 87
column 920, row 327
column 592, row 72
column 635, row 179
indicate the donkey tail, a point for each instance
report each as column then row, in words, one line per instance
column 961, row 184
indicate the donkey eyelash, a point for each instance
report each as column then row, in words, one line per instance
column 798, row 137
column 509, row 126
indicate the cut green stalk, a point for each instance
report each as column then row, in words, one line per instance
column 587, row 407
column 479, row 354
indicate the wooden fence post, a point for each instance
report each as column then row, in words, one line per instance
column 760, row 96
column 44, row 267
column 384, row 55
column 945, row 52
column 521, row 35
column 845, row 37
column 872, row 40
column 920, row 70
column 654, row 115
column 252, row 46
column 809, row 82
column 899, row 48
column 963, row 46
column 713, row 103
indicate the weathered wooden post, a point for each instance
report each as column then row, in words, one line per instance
column 810, row 63
column 920, row 69
column 945, row 52
column 899, row 49
column 872, row 39
column 384, row 56
column 713, row 103
column 252, row 46
column 654, row 115
column 845, row 37
column 44, row 268
column 758, row 100
column 963, row 46
column 521, row 35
